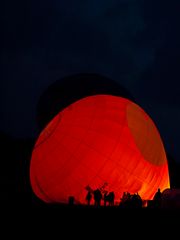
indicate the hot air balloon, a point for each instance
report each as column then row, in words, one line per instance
column 99, row 141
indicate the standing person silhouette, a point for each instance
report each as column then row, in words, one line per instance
column 105, row 197
column 111, row 197
column 97, row 197
column 157, row 198
column 89, row 197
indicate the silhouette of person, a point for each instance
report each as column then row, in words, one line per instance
column 111, row 197
column 157, row 198
column 105, row 197
column 125, row 201
column 89, row 197
column 97, row 197
column 136, row 201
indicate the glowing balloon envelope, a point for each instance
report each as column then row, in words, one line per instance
column 98, row 141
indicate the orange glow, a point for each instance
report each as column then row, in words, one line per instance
column 96, row 140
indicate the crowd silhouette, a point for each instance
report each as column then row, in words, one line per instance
column 127, row 200
column 101, row 197
column 131, row 200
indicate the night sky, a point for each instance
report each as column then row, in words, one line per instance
column 136, row 43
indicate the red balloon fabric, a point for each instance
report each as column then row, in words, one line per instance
column 100, row 141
